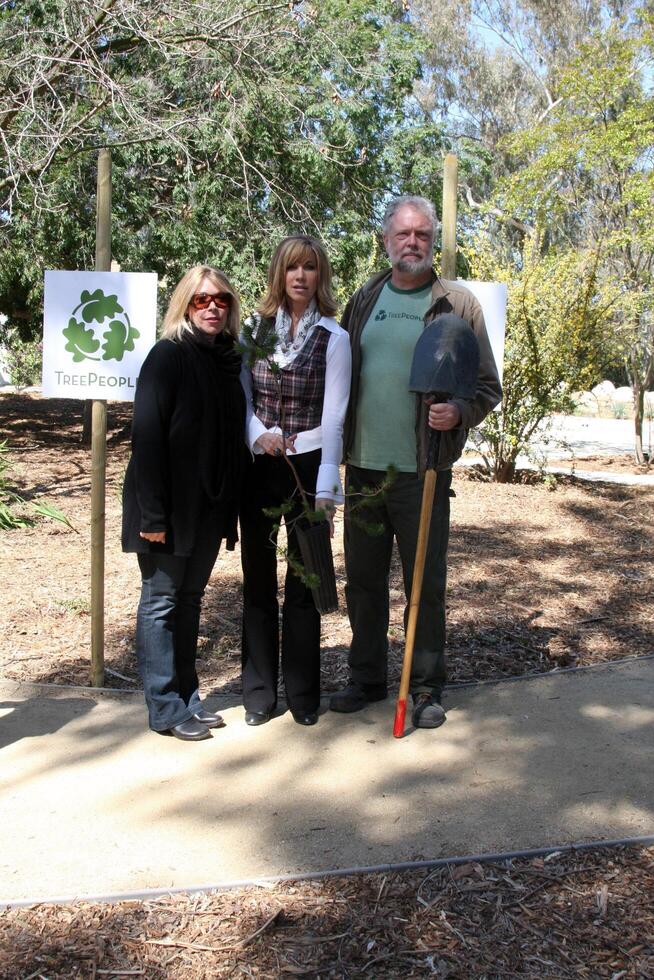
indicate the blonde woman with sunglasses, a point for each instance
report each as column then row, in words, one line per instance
column 182, row 489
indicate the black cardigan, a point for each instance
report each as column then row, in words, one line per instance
column 163, row 489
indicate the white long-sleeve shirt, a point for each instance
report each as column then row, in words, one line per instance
column 328, row 436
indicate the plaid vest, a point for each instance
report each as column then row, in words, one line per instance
column 302, row 387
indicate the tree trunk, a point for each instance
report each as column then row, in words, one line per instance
column 504, row 471
column 639, row 379
column 639, row 415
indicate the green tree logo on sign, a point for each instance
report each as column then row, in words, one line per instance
column 96, row 308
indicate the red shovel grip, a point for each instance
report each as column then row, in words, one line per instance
column 400, row 715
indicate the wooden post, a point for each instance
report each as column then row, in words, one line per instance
column 450, row 178
column 99, row 437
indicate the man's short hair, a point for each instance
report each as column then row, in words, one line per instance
column 413, row 201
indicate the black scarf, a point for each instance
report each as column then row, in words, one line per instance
column 216, row 366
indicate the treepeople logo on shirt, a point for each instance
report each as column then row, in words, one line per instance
column 382, row 315
column 104, row 315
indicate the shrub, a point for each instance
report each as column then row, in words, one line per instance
column 12, row 504
column 24, row 359
column 553, row 345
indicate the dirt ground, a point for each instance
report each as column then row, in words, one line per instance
column 543, row 575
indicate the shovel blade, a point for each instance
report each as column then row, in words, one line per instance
column 446, row 359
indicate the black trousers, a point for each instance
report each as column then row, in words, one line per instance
column 367, row 564
column 270, row 484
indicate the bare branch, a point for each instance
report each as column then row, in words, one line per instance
column 498, row 213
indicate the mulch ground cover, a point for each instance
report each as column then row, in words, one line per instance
column 584, row 915
column 542, row 576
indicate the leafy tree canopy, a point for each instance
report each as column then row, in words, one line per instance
column 231, row 125
column 584, row 177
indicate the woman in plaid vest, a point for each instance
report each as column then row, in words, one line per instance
column 297, row 397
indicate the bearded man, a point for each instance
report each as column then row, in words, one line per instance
column 384, row 319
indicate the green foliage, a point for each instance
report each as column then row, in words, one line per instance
column 8, row 496
column 44, row 509
column 24, row 359
column 8, row 520
column 12, row 504
column 77, row 604
column 586, row 171
column 257, row 344
column 553, row 344
column 582, row 182
column 362, row 503
column 276, row 513
column 308, row 131
column 310, row 579
column 60, row 235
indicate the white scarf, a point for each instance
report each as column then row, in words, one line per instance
column 288, row 347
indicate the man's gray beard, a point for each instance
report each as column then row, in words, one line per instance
column 415, row 268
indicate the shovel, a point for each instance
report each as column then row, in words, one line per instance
column 445, row 365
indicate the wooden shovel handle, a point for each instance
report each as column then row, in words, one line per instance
column 428, row 493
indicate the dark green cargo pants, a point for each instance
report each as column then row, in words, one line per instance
column 367, row 564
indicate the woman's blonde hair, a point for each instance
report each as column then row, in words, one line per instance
column 292, row 250
column 176, row 321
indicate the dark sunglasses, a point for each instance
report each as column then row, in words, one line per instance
column 202, row 301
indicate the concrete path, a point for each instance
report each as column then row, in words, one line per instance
column 94, row 804
column 563, row 436
column 572, row 437
column 587, row 435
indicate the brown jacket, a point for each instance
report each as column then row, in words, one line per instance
column 447, row 297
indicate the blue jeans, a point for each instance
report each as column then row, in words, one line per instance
column 167, row 625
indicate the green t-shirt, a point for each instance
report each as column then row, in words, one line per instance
column 386, row 409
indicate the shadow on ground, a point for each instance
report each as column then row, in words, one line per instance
column 27, row 719
column 547, row 761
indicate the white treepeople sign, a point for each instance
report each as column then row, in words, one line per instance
column 492, row 297
column 97, row 329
